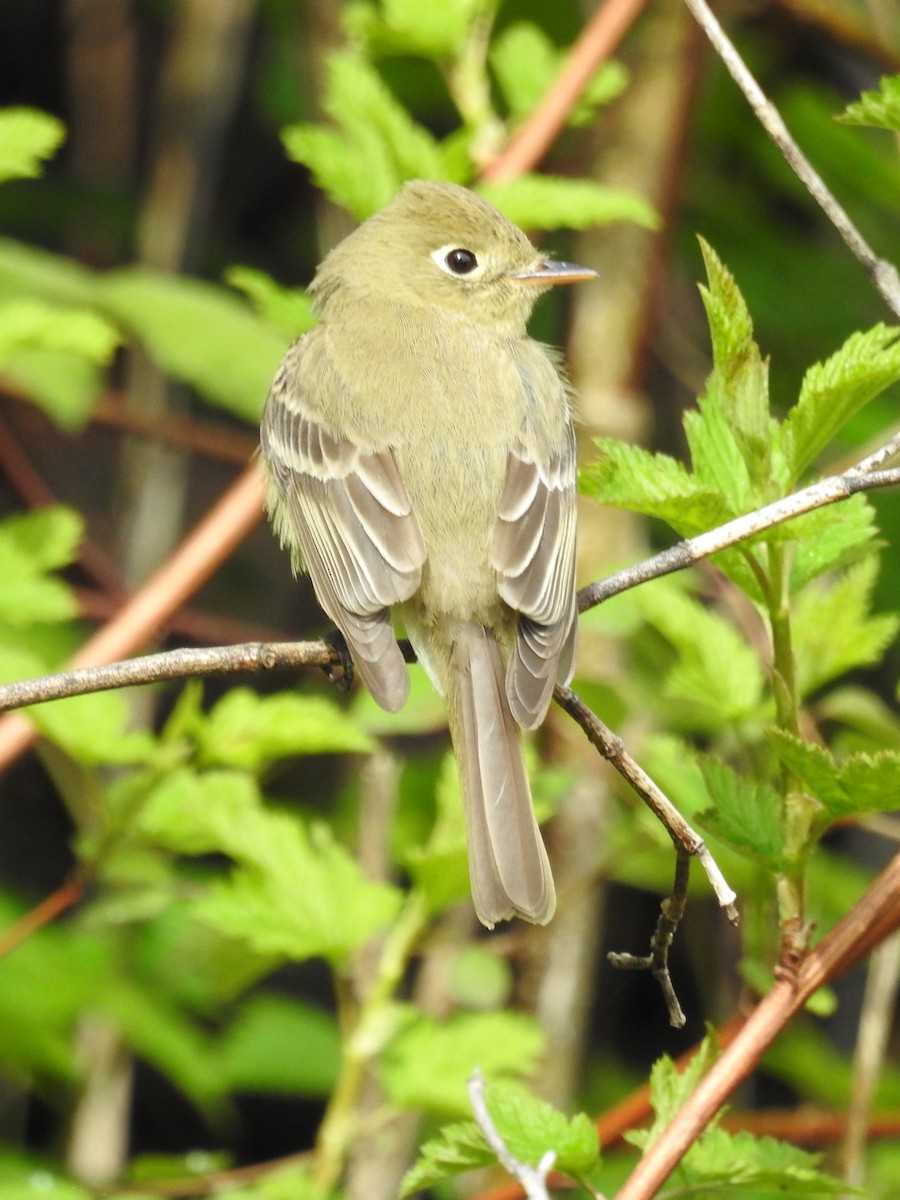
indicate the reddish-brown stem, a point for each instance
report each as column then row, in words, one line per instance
column 228, row 521
column 870, row 920
column 597, row 41
column 50, row 907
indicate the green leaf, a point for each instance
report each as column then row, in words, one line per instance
column 93, row 729
column 407, row 27
column 248, row 731
column 745, row 814
column 26, row 271
column 440, row 868
column 374, row 149
column 199, row 334
column 296, row 892
column 31, row 544
column 670, row 1088
column 739, row 1164
column 717, row 456
column 526, row 62
column 835, row 390
column 861, row 783
column 529, row 1128
column 828, row 538
column 717, row 674
column 551, row 202
column 27, row 137
column 427, row 1065
column 880, row 109
column 29, row 323
column 289, row 310
column 740, row 377
column 630, row 477
column 281, row 1045
column 832, row 629
column 65, row 386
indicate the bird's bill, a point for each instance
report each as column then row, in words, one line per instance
column 550, row 271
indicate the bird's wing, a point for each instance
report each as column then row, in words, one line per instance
column 533, row 553
column 345, row 506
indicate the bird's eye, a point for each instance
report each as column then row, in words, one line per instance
column 461, row 262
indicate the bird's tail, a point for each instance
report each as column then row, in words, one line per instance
column 508, row 865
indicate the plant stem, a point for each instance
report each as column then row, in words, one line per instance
column 796, row 814
column 369, row 1033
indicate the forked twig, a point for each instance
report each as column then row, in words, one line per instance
column 688, row 844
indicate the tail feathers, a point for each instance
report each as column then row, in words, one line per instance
column 508, row 865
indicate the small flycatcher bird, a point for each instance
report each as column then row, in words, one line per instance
column 421, row 455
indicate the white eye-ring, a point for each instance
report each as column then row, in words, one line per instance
column 458, row 261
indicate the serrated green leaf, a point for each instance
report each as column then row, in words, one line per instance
column 832, row 629
column 670, row 1088
column 740, row 376
column 835, row 390
column 717, row 673
column 289, row 310
column 525, row 63
column 93, row 729
column 879, row 109
column 529, row 1128
column 828, row 538
column 741, row 1165
column 427, row 1065
column 626, row 476
column 199, row 333
column 860, row 783
column 296, row 892
column 277, row 1044
column 248, row 731
column 745, row 814
column 460, row 1147
column 551, row 202
column 27, row 137
column 716, row 455
column 374, row 149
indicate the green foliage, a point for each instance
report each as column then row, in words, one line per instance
column 289, row 310
column 529, row 1128
column 730, row 1164
column 280, row 1045
column 374, row 145
column 27, row 137
column 526, row 62
column 549, row 202
column 428, row 1063
column 249, row 731
column 880, row 109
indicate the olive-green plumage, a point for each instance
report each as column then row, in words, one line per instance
column 420, row 453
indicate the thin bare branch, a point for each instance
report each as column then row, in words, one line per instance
column 883, row 273
column 170, row 664
column 693, row 550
